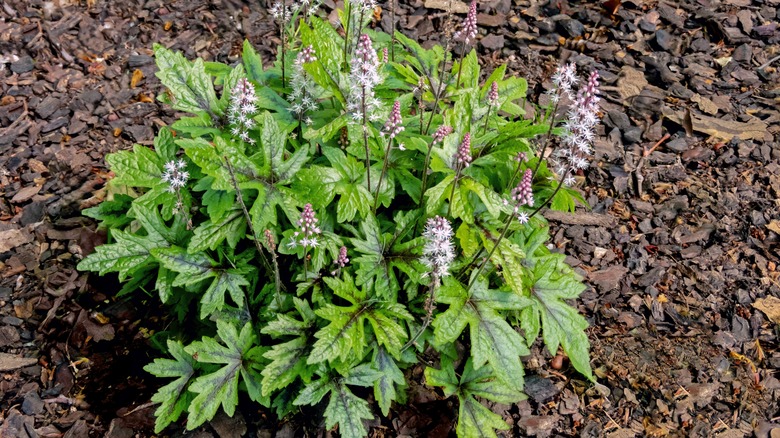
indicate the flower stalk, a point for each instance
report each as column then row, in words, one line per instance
column 438, row 254
column 492, row 99
column 362, row 103
column 467, row 33
column 462, row 160
column 307, row 232
column 302, row 97
column 438, row 137
column 270, row 243
column 393, row 127
column 247, row 217
column 282, row 14
column 564, row 79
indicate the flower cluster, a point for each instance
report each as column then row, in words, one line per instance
column 492, row 96
column 522, row 195
column 564, row 79
column 365, row 6
column 282, row 12
column 269, row 240
column 242, row 108
column 306, row 55
column 441, row 132
column 579, row 136
column 463, row 156
column 469, row 30
column 364, row 76
column 342, row 260
column 394, row 124
column 175, row 175
column 309, row 7
column 308, row 229
column 303, row 87
column 439, row 251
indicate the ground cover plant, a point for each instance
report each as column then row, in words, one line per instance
column 318, row 226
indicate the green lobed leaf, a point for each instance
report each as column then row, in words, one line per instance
column 469, row 70
column 474, row 419
column 164, row 145
column 227, row 281
column 127, row 254
column 140, row 168
column 483, row 382
column 198, row 125
column 173, row 397
column 444, row 377
column 253, row 64
column 390, row 377
column 209, row 235
column 191, row 268
column 218, row 202
column 348, row 411
column 288, row 362
column 493, row 340
column 190, row 86
column 362, row 375
column 232, row 78
column 555, row 282
column 314, row 391
column 164, row 283
column 342, row 338
column 220, row 388
column 512, row 89
column 112, row 213
column 202, row 87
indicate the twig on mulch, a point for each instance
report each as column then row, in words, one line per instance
column 639, row 178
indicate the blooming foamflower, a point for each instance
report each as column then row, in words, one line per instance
column 175, row 175
column 364, row 77
column 281, row 12
column 307, row 229
column 303, row 87
column 580, row 127
column 241, row 109
column 367, row 6
column 564, row 79
column 438, row 251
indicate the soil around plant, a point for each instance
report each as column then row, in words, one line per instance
column 679, row 247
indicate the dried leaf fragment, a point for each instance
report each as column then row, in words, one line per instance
column 10, row 362
column 770, row 306
column 137, row 76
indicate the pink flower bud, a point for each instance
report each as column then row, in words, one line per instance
column 469, row 30
column 394, row 124
column 463, row 156
column 492, row 96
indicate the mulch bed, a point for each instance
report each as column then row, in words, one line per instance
column 680, row 247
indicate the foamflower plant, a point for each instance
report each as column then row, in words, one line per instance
column 317, row 226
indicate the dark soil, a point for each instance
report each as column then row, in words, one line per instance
column 680, row 247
